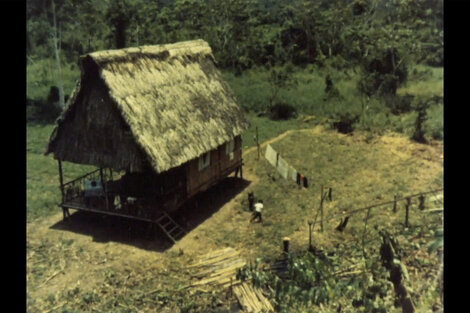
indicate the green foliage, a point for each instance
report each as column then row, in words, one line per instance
column 90, row 297
column 244, row 33
column 382, row 38
column 438, row 241
column 310, row 280
column 42, row 178
column 418, row 134
column 281, row 78
column 344, row 122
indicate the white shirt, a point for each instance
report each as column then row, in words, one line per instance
column 258, row 207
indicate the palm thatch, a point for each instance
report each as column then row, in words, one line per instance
column 161, row 105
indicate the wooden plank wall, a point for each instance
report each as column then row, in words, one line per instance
column 220, row 161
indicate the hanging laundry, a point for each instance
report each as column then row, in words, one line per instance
column 305, row 182
column 302, row 177
column 271, row 155
column 283, row 168
column 298, row 178
column 292, row 173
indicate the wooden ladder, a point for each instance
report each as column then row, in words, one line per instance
column 170, row 227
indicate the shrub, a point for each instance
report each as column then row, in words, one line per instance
column 418, row 134
column 345, row 121
column 41, row 111
column 282, row 111
column 399, row 104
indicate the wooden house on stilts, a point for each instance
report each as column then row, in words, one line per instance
column 161, row 116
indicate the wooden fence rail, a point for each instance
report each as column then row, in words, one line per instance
column 380, row 204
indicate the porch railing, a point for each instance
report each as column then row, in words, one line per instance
column 75, row 190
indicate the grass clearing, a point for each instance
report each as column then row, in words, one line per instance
column 75, row 271
column 42, row 173
column 109, row 275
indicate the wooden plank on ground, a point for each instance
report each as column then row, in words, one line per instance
column 217, row 268
column 251, row 299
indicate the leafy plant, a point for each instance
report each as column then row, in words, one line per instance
column 438, row 241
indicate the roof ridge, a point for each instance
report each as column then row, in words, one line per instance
column 165, row 50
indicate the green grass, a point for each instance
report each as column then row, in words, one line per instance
column 42, row 173
column 42, row 74
column 360, row 171
column 268, row 128
column 252, row 91
column 424, row 81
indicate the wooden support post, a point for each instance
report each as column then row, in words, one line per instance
column 310, row 235
column 421, row 202
column 241, row 171
column 285, row 242
column 407, row 208
column 394, row 203
column 257, row 142
column 103, row 183
column 65, row 210
column 321, row 209
column 61, row 180
column 364, row 233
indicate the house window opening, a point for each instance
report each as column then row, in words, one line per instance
column 230, row 148
column 204, row 161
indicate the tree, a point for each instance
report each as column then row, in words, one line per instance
column 119, row 15
column 57, row 56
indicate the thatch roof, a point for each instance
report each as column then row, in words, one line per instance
column 171, row 97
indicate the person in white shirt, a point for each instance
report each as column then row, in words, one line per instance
column 257, row 213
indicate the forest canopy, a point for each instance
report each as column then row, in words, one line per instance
column 378, row 37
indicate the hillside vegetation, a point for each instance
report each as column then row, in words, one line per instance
column 349, row 92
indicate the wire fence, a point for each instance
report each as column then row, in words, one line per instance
column 347, row 212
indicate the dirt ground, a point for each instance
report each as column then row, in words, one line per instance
column 100, row 242
column 109, row 242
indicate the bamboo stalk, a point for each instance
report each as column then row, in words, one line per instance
column 215, row 259
column 50, row 277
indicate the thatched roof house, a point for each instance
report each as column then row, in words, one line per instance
column 152, row 107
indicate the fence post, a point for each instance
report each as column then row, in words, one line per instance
column 364, row 233
column 329, row 193
column 321, row 209
column 394, row 203
column 421, row 202
column 285, row 242
column 257, row 141
column 407, row 208
column 310, row 235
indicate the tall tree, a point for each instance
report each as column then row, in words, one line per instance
column 56, row 41
column 119, row 15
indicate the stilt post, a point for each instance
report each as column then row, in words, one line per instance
column 105, row 189
column 61, row 180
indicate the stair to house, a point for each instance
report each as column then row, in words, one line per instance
column 170, row 227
